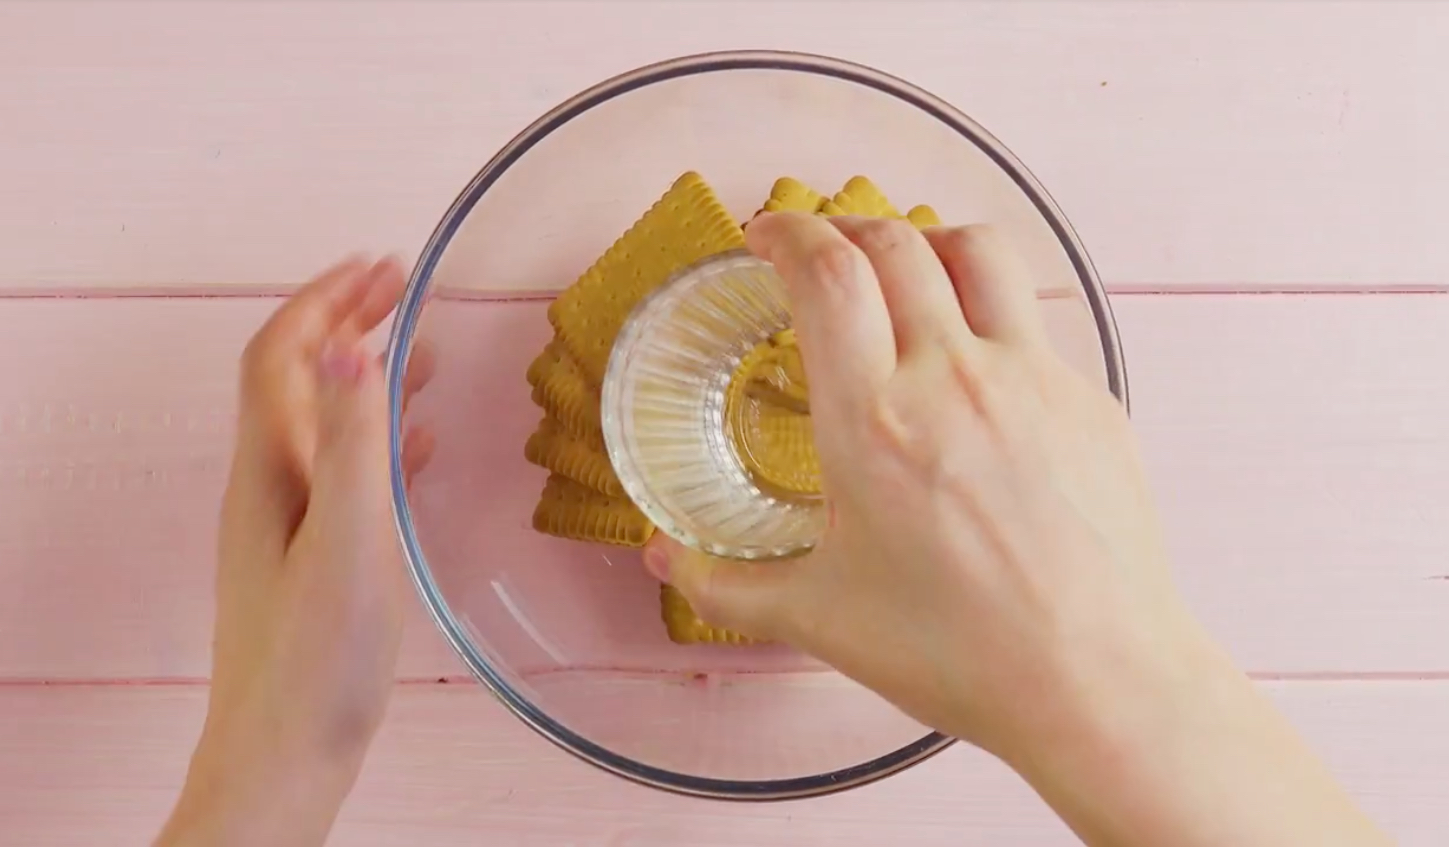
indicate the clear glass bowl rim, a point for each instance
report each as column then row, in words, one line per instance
column 405, row 325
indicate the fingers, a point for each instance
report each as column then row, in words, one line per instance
column 347, row 301
column 419, row 443
column 319, row 305
column 271, row 467
column 918, row 292
column 418, row 448
column 422, row 366
column 996, row 290
column 344, row 554
column 752, row 598
column 839, row 313
column 350, row 499
column 381, row 294
column 284, row 404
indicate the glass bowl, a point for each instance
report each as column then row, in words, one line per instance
column 566, row 635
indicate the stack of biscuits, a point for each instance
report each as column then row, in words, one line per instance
column 766, row 405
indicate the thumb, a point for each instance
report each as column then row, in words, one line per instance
column 351, row 481
column 751, row 598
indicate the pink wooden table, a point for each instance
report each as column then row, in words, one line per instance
column 1260, row 184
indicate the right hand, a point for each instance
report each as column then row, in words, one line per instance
column 994, row 548
column 994, row 566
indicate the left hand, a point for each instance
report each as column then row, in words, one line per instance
column 311, row 590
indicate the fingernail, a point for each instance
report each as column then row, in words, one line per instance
column 339, row 364
column 656, row 561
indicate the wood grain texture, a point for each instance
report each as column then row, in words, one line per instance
column 88, row 765
column 1299, row 451
column 1297, row 444
column 1293, row 143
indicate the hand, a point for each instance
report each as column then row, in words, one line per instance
column 991, row 516
column 994, row 565
column 311, row 589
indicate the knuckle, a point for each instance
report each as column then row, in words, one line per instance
column 963, row 241
column 889, row 432
column 835, row 264
column 978, row 381
column 918, row 452
column 884, row 235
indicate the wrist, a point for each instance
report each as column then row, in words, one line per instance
column 1109, row 759
column 1118, row 712
column 1168, row 742
column 1108, row 682
column 251, row 787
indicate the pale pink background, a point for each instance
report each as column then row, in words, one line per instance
column 1260, row 184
